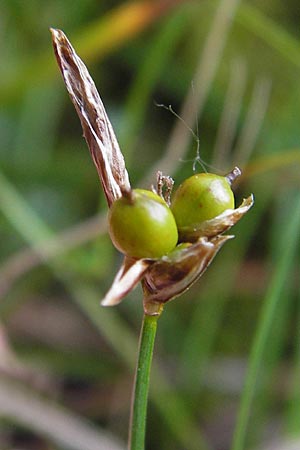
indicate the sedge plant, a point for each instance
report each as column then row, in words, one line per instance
column 167, row 240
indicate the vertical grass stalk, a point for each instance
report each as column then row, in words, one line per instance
column 287, row 247
column 137, row 426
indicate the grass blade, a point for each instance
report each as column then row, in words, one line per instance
column 288, row 244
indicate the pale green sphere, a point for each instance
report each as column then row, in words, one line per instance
column 201, row 197
column 142, row 225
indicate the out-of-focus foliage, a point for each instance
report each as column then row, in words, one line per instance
column 58, row 347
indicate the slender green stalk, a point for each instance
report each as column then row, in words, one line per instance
column 137, row 427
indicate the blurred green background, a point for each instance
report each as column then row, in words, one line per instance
column 227, row 359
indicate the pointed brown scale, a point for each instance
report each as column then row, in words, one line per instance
column 128, row 276
column 175, row 273
column 97, row 129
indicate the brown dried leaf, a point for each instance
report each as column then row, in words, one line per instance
column 217, row 225
column 170, row 276
column 96, row 126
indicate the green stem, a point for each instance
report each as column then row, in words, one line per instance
column 137, row 426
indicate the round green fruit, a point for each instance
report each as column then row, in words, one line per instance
column 201, row 197
column 141, row 225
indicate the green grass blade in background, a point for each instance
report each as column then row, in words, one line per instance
column 37, row 131
column 93, row 41
column 21, row 216
column 288, row 241
column 157, row 57
column 201, row 87
column 208, row 311
column 293, row 407
column 281, row 334
column 270, row 32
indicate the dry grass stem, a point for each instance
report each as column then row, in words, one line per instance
column 25, row 260
column 253, row 122
column 62, row 426
column 230, row 114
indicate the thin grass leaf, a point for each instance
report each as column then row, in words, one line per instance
column 206, row 321
column 203, row 78
column 293, row 407
column 288, row 242
column 158, row 55
column 230, row 114
column 272, row 162
column 270, row 32
column 94, row 41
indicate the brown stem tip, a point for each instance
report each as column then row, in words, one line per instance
column 127, row 193
column 233, row 175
